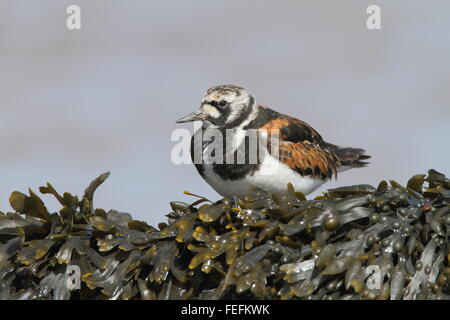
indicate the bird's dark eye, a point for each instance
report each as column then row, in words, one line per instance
column 223, row 103
column 213, row 103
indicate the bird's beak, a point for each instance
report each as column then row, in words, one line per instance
column 194, row 116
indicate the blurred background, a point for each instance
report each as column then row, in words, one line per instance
column 74, row 104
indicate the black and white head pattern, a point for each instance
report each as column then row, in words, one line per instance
column 228, row 106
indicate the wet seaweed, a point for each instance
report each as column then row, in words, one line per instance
column 257, row 247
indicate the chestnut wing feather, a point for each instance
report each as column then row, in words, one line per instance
column 302, row 148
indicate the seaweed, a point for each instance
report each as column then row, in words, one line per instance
column 256, row 247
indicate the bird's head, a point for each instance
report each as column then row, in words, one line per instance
column 223, row 106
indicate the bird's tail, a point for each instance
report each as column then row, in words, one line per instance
column 349, row 157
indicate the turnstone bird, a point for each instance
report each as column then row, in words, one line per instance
column 303, row 159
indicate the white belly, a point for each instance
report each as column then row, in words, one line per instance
column 272, row 176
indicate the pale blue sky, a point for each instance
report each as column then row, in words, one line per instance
column 77, row 103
